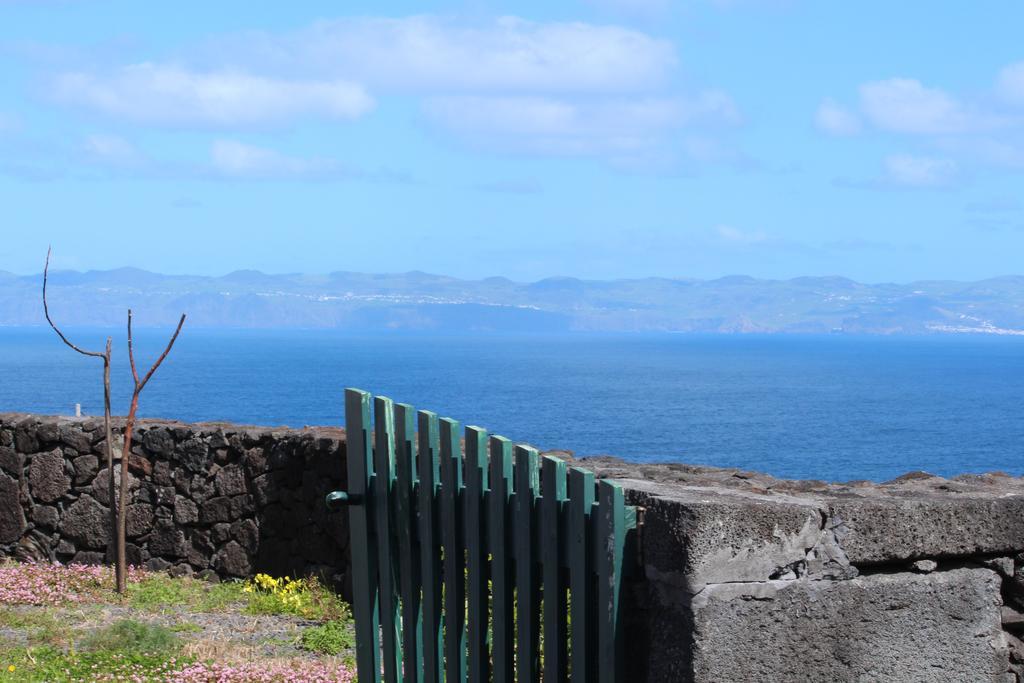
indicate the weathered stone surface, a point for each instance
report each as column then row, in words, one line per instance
column 86, row 467
column 230, row 481
column 88, row 557
column 265, row 490
column 139, row 465
column 157, row 564
column 12, row 517
column 11, row 461
column 47, row 479
column 47, row 431
column 167, row 541
column 255, row 462
column 702, row 535
column 247, row 534
column 72, row 436
column 45, row 517
column 889, row 627
column 193, row 454
column 220, row 533
column 924, row 566
column 134, row 555
column 138, row 520
column 215, row 510
column 100, row 485
column 86, row 522
column 888, row 528
column 185, row 511
column 162, row 474
column 233, row 560
column 242, row 506
column 201, row 488
column 158, row 440
column 25, row 439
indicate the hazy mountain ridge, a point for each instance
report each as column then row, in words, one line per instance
column 422, row 301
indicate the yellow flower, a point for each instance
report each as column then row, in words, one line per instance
column 11, row 668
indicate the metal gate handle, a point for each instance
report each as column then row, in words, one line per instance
column 336, row 500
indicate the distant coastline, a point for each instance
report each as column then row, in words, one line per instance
column 419, row 301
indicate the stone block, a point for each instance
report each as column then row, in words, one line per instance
column 45, row 517
column 215, row 510
column 12, row 517
column 694, row 536
column 233, row 560
column 185, row 511
column 47, row 479
column 11, row 461
column 230, row 481
column 87, row 522
column 138, row 520
column 167, row 541
column 913, row 525
column 88, row 557
column 158, row 441
column 86, row 467
column 899, row 627
column 73, row 437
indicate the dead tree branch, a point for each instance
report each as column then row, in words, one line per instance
column 105, row 355
column 129, row 425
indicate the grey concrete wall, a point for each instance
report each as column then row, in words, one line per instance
column 749, row 578
column 739, row 576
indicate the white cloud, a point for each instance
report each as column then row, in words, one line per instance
column 913, row 171
column 168, row 94
column 1010, row 84
column 111, row 149
column 430, row 53
column 236, row 159
column 735, row 236
column 904, row 105
column 588, row 126
column 836, row 120
column 506, row 83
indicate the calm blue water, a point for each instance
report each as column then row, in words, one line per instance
column 834, row 408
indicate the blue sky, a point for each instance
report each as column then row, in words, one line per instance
column 602, row 139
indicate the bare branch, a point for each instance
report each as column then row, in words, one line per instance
column 174, row 337
column 46, row 310
column 131, row 353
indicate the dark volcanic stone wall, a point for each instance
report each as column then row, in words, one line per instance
column 205, row 499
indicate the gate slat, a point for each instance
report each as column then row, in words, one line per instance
column 581, row 569
column 553, row 487
column 408, row 551
column 612, row 534
column 454, row 554
column 384, row 481
column 527, row 587
column 360, row 516
column 430, row 559
column 502, row 583
column 476, row 554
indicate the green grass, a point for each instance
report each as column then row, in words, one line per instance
column 157, row 591
column 132, row 637
column 61, row 645
column 122, row 650
column 47, row 664
column 43, row 627
column 331, row 638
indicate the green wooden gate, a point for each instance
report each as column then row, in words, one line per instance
column 493, row 564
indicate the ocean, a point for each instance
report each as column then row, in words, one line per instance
column 835, row 408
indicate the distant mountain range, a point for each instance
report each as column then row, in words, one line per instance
column 423, row 302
